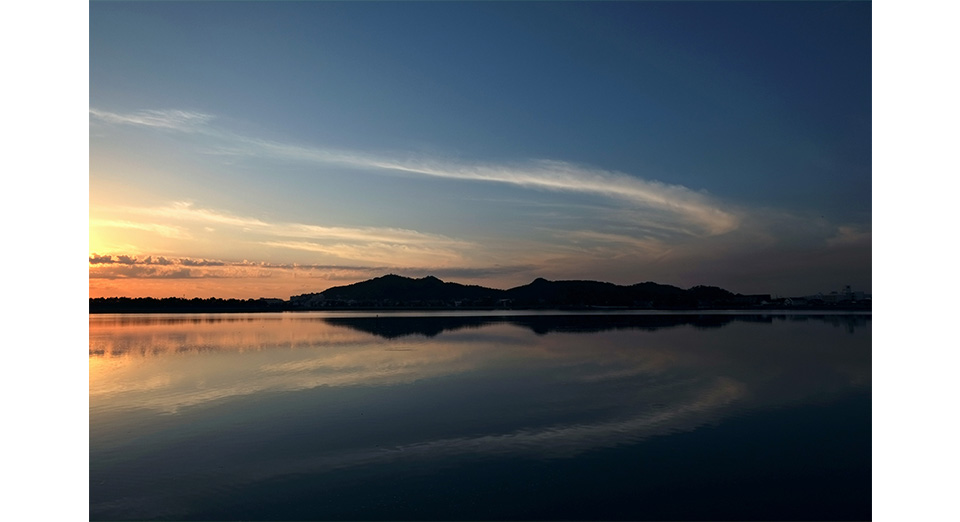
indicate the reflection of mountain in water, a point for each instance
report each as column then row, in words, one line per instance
column 399, row 326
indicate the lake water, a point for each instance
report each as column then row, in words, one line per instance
column 417, row 416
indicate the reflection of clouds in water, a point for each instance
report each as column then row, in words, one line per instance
column 115, row 339
column 581, row 392
column 202, row 378
column 244, row 357
column 555, row 441
column 568, row 440
column 208, row 360
column 707, row 404
column 148, row 384
column 231, row 365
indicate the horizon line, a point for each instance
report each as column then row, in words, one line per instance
column 474, row 285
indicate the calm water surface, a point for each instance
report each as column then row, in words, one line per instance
column 350, row 416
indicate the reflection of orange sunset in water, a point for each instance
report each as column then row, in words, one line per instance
column 171, row 361
column 250, row 354
column 116, row 335
column 168, row 363
column 279, row 395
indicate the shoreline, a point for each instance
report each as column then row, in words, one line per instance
column 594, row 309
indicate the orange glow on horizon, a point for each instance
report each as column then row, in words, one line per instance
column 281, row 287
column 224, row 288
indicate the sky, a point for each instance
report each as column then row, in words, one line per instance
column 256, row 149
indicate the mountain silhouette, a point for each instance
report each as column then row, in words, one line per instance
column 395, row 290
column 398, row 288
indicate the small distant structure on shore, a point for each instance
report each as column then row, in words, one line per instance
column 844, row 295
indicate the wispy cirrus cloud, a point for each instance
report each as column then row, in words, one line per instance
column 335, row 253
column 164, row 119
column 163, row 230
column 187, row 211
column 677, row 207
column 697, row 213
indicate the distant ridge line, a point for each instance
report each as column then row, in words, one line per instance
column 396, row 292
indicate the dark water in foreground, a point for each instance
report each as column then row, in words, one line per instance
column 351, row 416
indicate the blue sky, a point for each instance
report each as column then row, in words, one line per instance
column 279, row 148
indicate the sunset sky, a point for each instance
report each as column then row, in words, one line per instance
column 270, row 149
